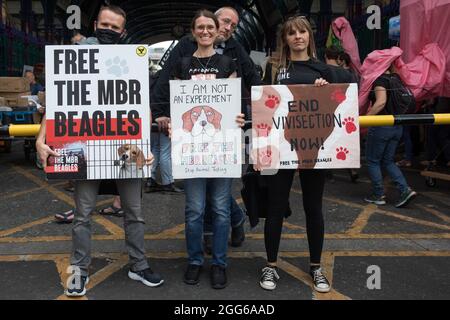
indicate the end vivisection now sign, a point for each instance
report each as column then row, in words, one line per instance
column 303, row 126
column 98, row 111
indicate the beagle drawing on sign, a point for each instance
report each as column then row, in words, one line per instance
column 133, row 161
column 202, row 120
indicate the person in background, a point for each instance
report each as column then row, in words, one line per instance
column 381, row 145
column 225, row 45
column 35, row 87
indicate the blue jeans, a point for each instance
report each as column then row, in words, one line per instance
column 161, row 149
column 217, row 192
column 380, row 151
column 237, row 216
column 408, row 143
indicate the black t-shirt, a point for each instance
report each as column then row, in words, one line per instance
column 341, row 75
column 304, row 72
column 382, row 81
column 215, row 67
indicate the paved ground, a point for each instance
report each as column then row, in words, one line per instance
column 411, row 246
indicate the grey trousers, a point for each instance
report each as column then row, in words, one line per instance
column 85, row 199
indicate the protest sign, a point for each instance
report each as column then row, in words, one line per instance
column 98, row 111
column 303, row 126
column 206, row 140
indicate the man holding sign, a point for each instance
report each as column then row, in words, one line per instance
column 123, row 100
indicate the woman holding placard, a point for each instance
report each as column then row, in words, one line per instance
column 205, row 64
column 297, row 64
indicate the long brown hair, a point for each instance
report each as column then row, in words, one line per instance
column 294, row 23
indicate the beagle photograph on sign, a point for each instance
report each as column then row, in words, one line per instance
column 132, row 161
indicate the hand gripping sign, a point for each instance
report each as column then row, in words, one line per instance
column 98, row 114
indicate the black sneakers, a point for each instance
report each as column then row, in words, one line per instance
column 320, row 282
column 269, row 278
column 147, row 277
column 75, row 289
column 151, row 186
column 405, row 198
column 375, row 199
column 237, row 236
column 218, row 277
column 171, row 187
column 192, row 274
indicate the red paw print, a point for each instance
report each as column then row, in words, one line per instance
column 265, row 157
column 272, row 101
column 341, row 153
column 349, row 124
column 338, row 96
column 263, row 130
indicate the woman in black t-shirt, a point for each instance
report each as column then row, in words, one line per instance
column 205, row 64
column 297, row 65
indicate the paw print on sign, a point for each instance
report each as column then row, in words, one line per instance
column 272, row 102
column 338, row 96
column 349, row 124
column 265, row 157
column 117, row 67
column 263, row 129
column 341, row 153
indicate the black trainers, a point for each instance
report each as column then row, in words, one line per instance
column 151, row 186
column 237, row 236
column 207, row 243
column 147, row 277
column 269, row 278
column 405, row 198
column 218, row 277
column 171, row 187
column 192, row 274
column 375, row 200
column 75, row 289
column 320, row 283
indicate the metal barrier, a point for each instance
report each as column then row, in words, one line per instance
column 30, row 130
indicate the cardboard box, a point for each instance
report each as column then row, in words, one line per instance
column 14, row 99
column 14, row 84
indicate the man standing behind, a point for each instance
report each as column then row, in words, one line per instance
column 228, row 20
column 109, row 28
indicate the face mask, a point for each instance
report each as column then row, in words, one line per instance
column 107, row 36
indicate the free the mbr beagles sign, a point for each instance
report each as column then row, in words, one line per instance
column 98, row 114
column 303, row 126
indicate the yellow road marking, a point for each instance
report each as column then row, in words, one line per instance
column 306, row 279
column 250, row 236
column 19, row 193
column 414, row 220
column 59, row 194
column 361, row 221
column 293, row 226
column 436, row 213
column 25, row 226
column 112, row 228
column 168, row 233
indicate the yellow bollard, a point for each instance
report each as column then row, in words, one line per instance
column 24, row 130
